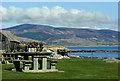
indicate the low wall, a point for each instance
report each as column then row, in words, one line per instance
column 54, row 47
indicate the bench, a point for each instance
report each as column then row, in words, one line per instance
column 52, row 64
column 26, row 64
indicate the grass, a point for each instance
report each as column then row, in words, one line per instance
column 75, row 68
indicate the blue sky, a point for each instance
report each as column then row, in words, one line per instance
column 107, row 8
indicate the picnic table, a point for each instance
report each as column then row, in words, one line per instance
column 34, row 61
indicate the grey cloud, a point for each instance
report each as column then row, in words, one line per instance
column 55, row 16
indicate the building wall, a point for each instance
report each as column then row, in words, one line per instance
column 0, row 45
column 7, row 44
column 14, row 45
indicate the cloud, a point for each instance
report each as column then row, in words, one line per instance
column 55, row 16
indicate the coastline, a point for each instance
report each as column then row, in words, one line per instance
column 97, row 46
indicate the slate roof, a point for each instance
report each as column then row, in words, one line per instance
column 9, row 35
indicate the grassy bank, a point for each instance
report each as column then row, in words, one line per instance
column 75, row 68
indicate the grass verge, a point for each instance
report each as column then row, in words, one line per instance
column 75, row 68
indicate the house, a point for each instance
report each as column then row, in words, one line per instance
column 8, row 41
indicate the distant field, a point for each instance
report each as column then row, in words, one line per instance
column 75, row 68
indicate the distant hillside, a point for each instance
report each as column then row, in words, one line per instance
column 65, row 36
column 24, row 40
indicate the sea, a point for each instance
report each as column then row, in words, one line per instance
column 103, row 55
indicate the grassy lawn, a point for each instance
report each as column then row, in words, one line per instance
column 75, row 68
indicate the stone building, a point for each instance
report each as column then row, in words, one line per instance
column 8, row 41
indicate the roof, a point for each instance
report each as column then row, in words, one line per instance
column 9, row 35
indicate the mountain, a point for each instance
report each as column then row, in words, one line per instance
column 65, row 36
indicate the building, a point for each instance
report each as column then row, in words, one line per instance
column 8, row 41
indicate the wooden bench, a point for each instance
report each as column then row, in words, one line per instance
column 26, row 64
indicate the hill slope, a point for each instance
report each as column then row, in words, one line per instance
column 65, row 36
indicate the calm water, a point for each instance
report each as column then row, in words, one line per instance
column 95, row 54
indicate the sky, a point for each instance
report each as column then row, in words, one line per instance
column 94, row 15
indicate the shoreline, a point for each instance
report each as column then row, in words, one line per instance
column 96, row 46
column 107, row 59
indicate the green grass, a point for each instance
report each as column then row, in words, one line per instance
column 75, row 68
